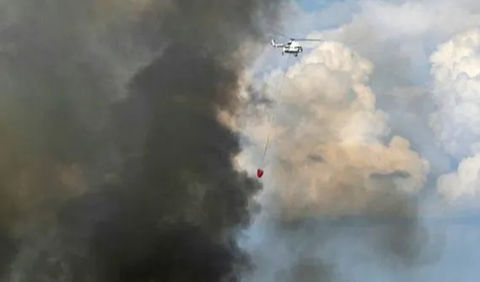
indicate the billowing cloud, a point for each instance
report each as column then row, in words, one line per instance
column 456, row 70
column 332, row 140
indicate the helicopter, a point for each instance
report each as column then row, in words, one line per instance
column 292, row 46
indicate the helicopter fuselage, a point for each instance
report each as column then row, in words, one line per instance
column 292, row 50
column 291, row 47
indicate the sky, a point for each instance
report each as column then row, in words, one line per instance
column 381, row 120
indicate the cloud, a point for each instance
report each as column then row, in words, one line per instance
column 455, row 69
column 326, row 109
column 455, row 66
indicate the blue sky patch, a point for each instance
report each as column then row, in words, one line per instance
column 316, row 5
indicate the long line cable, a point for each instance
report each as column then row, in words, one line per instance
column 270, row 116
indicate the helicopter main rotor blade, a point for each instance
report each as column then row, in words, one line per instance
column 308, row 39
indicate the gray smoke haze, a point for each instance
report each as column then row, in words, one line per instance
column 114, row 164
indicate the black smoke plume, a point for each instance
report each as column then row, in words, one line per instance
column 141, row 189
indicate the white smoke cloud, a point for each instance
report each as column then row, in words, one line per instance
column 456, row 70
column 334, row 139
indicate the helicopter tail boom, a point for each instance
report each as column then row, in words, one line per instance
column 276, row 45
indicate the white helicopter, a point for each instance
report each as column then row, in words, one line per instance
column 292, row 46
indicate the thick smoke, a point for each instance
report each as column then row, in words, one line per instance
column 97, row 186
